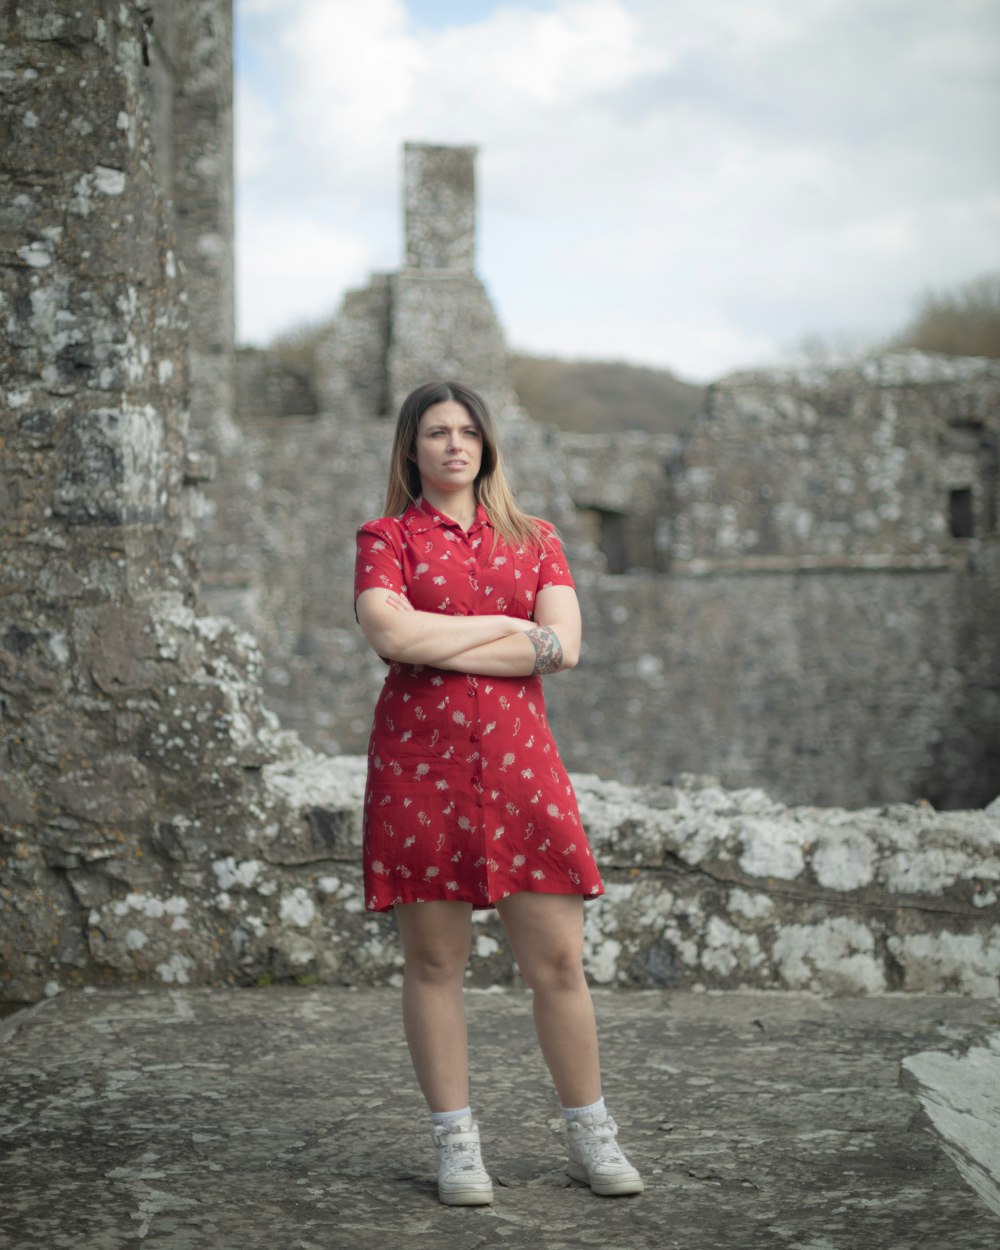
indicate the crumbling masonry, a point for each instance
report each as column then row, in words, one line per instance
column 156, row 824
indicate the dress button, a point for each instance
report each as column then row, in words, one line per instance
column 471, row 694
column 473, row 737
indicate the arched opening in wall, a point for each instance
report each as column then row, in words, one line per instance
column 608, row 530
column 961, row 518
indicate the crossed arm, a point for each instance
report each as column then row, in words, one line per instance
column 489, row 646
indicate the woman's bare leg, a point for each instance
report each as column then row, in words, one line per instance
column 436, row 939
column 546, row 935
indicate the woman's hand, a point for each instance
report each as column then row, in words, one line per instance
column 399, row 603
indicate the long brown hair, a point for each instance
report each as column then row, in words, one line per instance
column 490, row 486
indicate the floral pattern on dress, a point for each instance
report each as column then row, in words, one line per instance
column 467, row 797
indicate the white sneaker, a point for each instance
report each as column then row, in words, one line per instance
column 595, row 1157
column 462, row 1179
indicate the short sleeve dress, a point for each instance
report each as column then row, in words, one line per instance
column 467, row 798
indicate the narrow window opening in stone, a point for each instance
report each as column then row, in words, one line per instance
column 614, row 541
column 960, row 516
column 608, row 530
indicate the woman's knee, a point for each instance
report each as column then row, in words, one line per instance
column 559, row 970
column 436, row 939
column 436, row 965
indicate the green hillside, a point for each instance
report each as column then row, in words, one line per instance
column 592, row 396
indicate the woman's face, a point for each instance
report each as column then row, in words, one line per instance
column 448, row 449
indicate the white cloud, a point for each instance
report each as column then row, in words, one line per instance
column 256, row 127
column 292, row 270
column 355, row 66
column 685, row 183
column 699, row 339
column 523, row 61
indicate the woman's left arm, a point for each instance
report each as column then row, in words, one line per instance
column 557, row 611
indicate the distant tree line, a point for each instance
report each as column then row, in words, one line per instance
column 962, row 322
column 592, row 396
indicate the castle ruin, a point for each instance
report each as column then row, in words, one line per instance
column 832, row 635
column 802, row 592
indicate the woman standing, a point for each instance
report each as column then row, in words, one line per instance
column 468, row 805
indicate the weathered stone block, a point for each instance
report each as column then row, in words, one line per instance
column 350, row 365
column 439, row 207
column 16, row 800
column 444, row 326
column 960, row 1096
column 118, row 648
column 116, row 791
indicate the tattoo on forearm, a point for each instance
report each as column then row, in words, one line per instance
column 548, row 650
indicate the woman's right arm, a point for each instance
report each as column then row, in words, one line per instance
column 397, row 631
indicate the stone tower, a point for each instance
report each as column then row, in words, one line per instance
column 432, row 319
column 439, row 207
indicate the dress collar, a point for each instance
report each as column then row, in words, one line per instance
column 422, row 516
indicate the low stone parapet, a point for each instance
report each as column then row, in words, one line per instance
column 729, row 889
column 705, row 888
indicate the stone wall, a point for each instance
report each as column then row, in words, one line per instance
column 350, row 373
column 133, row 733
column 852, row 687
column 704, row 888
column 619, row 484
column 268, row 387
column 201, row 194
column 439, row 207
column 892, row 463
column 865, row 677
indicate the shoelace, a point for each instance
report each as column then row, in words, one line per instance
column 461, row 1154
column 600, row 1146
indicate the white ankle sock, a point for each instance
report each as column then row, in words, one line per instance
column 596, row 1109
column 449, row 1117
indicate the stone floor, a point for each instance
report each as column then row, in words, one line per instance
column 287, row 1119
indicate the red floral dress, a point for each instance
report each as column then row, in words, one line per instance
column 467, row 798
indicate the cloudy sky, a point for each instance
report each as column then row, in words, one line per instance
column 698, row 184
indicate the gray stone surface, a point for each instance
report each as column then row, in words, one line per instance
column 444, row 326
column 350, row 376
column 241, row 1120
column 961, row 1096
column 439, row 206
column 838, row 464
column 267, row 386
column 202, row 195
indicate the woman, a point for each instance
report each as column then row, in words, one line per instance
column 470, row 602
